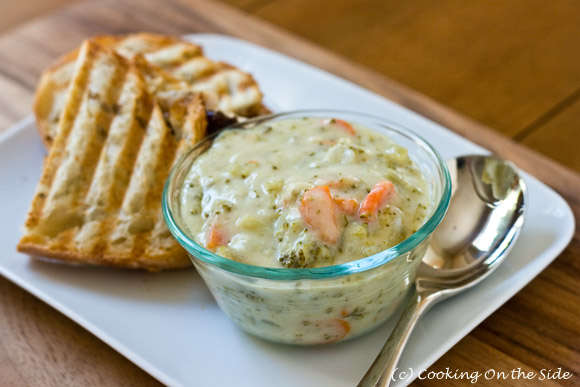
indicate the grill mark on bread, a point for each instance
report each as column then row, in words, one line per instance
column 142, row 42
column 118, row 156
column 78, row 88
column 195, row 69
column 153, row 199
column 180, row 136
column 172, row 56
column 177, row 57
column 159, row 82
column 84, row 143
column 135, row 218
column 189, row 132
column 53, row 159
column 101, row 135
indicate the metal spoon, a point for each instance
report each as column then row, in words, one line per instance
column 484, row 219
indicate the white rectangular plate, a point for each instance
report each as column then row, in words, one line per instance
column 168, row 323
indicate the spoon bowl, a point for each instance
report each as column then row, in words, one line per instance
column 483, row 221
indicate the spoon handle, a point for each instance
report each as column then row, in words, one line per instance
column 383, row 368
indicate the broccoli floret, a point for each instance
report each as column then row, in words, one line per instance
column 293, row 259
column 305, row 255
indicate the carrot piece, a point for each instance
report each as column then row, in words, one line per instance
column 256, row 162
column 348, row 127
column 216, row 236
column 380, row 194
column 342, row 123
column 336, row 330
column 347, row 206
column 318, row 211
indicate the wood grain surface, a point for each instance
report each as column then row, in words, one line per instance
column 15, row 12
column 538, row 328
column 508, row 65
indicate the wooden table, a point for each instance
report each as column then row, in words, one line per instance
column 537, row 329
column 507, row 64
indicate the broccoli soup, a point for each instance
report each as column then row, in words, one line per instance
column 305, row 193
column 302, row 193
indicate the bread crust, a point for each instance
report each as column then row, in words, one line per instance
column 171, row 260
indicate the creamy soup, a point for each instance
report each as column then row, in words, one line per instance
column 302, row 193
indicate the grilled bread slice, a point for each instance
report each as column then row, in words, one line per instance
column 99, row 197
column 223, row 87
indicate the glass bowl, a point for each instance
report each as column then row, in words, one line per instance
column 315, row 305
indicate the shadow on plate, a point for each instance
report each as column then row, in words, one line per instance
column 170, row 286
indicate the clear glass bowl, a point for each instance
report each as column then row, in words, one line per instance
column 315, row 305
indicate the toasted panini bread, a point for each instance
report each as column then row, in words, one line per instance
column 99, row 197
column 223, row 87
